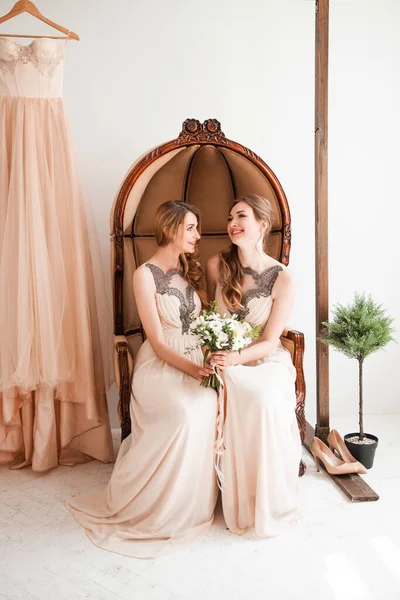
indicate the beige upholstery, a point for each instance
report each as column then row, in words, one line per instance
column 288, row 344
column 209, row 177
column 245, row 175
column 204, row 168
column 167, row 183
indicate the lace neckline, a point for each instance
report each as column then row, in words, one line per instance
column 264, row 283
column 257, row 276
column 162, row 280
column 170, row 273
column 34, row 41
column 45, row 60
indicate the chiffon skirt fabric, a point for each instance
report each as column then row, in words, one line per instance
column 262, row 455
column 55, row 343
column 263, row 449
column 163, row 490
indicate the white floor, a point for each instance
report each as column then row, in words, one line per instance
column 338, row 550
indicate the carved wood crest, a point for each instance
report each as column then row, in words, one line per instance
column 194, row 131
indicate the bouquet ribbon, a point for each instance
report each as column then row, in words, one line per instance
column 215, row 331
column 219, row 442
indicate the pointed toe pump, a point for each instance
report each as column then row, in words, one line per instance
column 336, row 442
column 333, row 464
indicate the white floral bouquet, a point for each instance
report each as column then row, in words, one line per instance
column 221, row 332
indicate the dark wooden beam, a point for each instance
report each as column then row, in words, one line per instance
column 321, row 211
column 354, row 486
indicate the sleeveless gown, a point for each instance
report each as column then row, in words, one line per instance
column 55, row 340
column 163, row 490
column 260, row 463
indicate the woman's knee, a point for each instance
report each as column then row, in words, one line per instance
column 189, row 412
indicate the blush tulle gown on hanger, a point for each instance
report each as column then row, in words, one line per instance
column 54, row 320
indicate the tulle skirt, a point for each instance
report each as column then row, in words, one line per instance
column 55, row 341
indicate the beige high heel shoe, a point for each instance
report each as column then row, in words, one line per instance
column 336, row 442
column 333, row 464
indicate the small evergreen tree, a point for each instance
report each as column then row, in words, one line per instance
column 357, row 330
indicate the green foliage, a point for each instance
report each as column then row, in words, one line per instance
column 358, row 329
column 223, row 332
column 220, row 332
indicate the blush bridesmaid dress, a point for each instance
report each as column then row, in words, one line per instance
column 260, row 463
column 163, row 489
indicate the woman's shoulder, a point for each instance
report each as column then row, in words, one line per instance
column 143, row 274
column 282, row 269
column 276, row 278
column 284, row 279
column 213, row 266
column 214, row 260
column 271, row 264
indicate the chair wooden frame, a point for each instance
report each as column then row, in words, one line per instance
column 193, row 133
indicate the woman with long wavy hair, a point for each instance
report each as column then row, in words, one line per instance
column 162, row 491
column 262, row 442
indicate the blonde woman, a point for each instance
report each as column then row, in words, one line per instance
column 262, row 442
column 162, row 491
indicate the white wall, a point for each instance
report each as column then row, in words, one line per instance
column 364, row 160
column 142, row 67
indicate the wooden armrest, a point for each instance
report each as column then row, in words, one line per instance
column 123, row 375
column 293, row 341
column 292, row 333
column 122, row 359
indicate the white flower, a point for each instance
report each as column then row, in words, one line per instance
column 225, row 332
column 222, row 340
column 238, row 344
column 216, row 325
column 246, row 326
column 211, row 317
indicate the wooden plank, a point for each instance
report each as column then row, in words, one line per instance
column 321, row 209
column 354, row 486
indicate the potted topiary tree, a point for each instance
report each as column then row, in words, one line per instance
column 357, row 330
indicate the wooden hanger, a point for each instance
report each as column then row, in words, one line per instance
column 26, row 6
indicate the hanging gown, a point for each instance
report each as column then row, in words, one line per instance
column 55, row 340
column 262, row 442
column 163, row 490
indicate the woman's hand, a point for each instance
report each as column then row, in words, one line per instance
column 200, row 373
column 217, row 358
column 222, row 359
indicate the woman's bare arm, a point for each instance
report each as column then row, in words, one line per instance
column 212, row 276
column 144, row 290
column 283, row 294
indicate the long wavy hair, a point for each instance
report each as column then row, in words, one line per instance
column 169, row 216
column 231, row 270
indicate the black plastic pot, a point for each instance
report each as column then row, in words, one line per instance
column 364, row 453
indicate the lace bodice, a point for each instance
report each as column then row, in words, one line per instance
column 177, row 301
column 32, row 70
column 256, row 300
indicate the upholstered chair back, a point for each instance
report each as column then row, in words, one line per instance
column 201, row 167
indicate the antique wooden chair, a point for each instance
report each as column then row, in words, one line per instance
column 208, row 170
